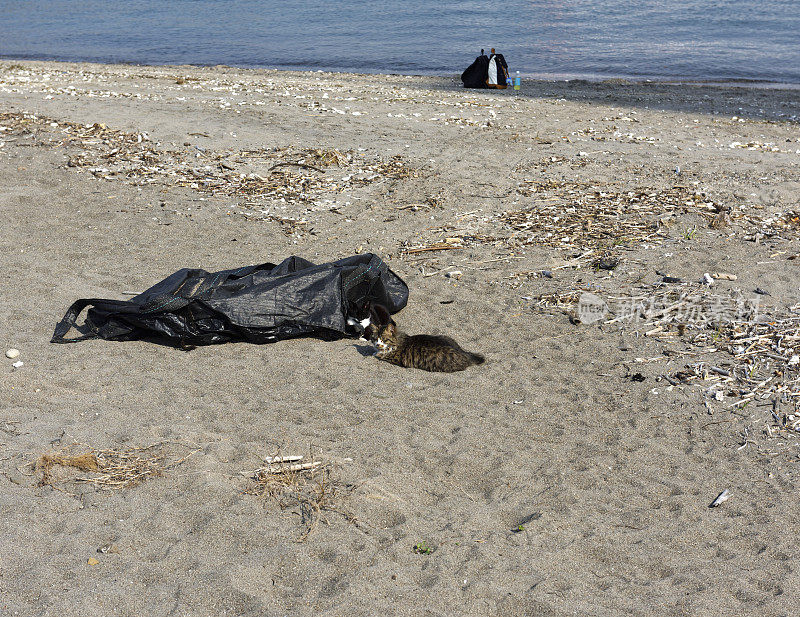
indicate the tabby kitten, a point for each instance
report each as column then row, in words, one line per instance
column 424, row 351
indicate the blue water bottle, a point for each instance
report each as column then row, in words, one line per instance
column 508, row 80
column 516, row 81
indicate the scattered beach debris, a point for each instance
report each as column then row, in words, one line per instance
column 745, row 351
column 441, row 246
column 18, row 364
column 606, row 262
column 576, row 215
column 593, row 219
column 598, row 220
column 720, row 499
column 309, row 487
column 111, row 469
column 721, row 220
column 278, row 178
column 561, row 300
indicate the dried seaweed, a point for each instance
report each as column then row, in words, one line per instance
column 582, row 216
column 111, row 469
column 111, row 154
column 744, row 353
column 308, row 487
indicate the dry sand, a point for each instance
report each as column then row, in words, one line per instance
column 610, row 478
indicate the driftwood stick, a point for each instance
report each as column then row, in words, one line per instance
column 290, row 468
column 284, row 459
column 488, row 261
column 745, row 399
column 434, row 273
column 303, row 165
column 668, row 309
column 278, row 468
column 439, row 247
column 414, row 207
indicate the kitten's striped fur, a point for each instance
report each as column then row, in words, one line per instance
column 424, row 351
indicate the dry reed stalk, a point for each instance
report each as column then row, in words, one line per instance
column 435, row 247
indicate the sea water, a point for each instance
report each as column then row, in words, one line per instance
column 687, row 40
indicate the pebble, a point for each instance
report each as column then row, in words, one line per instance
column 18, row 364
column 12, row 353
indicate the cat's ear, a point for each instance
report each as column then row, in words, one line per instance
column 382, row 316
column 390, row 328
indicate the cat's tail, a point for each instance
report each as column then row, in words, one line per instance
column 477, row 358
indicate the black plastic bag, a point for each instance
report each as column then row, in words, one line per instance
column 258, row 304
column 474, row 76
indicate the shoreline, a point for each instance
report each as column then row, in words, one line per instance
column 528, row 76
column 740, row 100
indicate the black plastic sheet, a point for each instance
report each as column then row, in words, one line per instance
column 257, row 304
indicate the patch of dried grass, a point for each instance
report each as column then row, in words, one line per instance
column 111, row 469
column 310, row 488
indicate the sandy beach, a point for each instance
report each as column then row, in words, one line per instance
column 571, row 474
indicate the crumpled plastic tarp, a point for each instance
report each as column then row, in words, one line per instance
column 257, row 304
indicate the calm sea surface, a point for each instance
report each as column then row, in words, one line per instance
column 663, row 39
